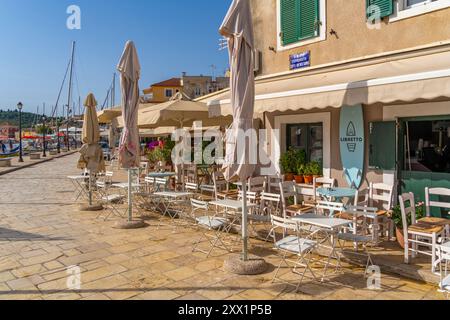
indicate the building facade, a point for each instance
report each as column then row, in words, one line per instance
column 323, row 60
column 192, row 87
column 8, row 131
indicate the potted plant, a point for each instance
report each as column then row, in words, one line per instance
column 398, row 221
column 299, row 161
column 307, row 174
column 299, row 178
column 286, row 163
column 315, row 169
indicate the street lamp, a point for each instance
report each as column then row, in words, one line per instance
column 44, row 133
column 20, row 107
column 57, row 135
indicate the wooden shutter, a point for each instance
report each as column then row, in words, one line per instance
column 383, row 145
column 386, row 7
column 299, row 20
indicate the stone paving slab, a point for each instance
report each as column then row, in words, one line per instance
column 42, row 234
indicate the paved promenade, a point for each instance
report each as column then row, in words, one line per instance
column 42, row 234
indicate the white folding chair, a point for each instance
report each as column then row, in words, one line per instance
column 293, row 244
column 443, row 252
column 422, row 234
column 214, row 228
column 381, row 196
column 288, row 192
column 110, row 201
column 322, row 183
column 329, row 209
column 360, row 236
column 273, row 184
column 197, row 192
column 430, row 204
column 221, row 187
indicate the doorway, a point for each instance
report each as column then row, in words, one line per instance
column 424, row 157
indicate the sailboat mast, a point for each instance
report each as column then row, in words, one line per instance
column 69, row 100
column 113, row 96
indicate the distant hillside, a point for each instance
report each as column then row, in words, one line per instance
column 12, row 117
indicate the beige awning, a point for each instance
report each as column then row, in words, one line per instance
column 405, row 80
column 106, row 116
column 158, row 132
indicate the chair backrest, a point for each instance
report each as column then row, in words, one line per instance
column 192, row 187
column 362, row 198
column 270, row 203
column 273, row 183
column 199, row 205
column 206, row 188
column 329, row 208
column 285, row 223
column 252, row 197
column 287, row 191
column 190, row 173
column 408, row 209
column 220, row 184
column 149, row 180
column 161, row 184
column 441, row 192
column 257, row 184
column 381, row 195
column 322, row 183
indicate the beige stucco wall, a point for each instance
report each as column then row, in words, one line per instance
column 354, row 39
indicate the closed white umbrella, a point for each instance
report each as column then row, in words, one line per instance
column 129, row 149
column 237, row 28
column 91, row 157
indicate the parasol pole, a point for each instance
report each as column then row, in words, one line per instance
column 130, row 195
column 90, row 188
column 244, row 222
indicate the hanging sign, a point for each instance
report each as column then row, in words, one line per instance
column 352, row 144
column 299, row 61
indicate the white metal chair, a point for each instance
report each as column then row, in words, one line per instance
column 210, row 223
column 429, row 203
column 443, row 252
column 360, row 236
column 288, row 192
column 293, row 244
column 330, row 209
column 221, row 188
column 110, row 201
column 422, row 234
column 198, row 192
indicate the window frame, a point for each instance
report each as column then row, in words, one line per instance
column 166, row 91
column 308, row 147
column 322, row 32
column 402, row 11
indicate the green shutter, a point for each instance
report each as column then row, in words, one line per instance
column 309, row 19
column 383, row 145
column 299, row 20
column 386, row 7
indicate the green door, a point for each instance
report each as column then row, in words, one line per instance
column 424, row 157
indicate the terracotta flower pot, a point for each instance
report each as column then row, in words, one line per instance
column 309, row 179
column 400, row 237
column 289, row 177
column 299, row 179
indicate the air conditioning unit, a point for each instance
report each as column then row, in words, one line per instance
column 257, row 56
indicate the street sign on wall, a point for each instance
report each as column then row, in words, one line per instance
column 299, row 61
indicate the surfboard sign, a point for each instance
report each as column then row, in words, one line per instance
column 352, row 144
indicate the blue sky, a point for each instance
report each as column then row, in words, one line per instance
column 171, row 36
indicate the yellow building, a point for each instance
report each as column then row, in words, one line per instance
column 318, row 56
column 163, row 91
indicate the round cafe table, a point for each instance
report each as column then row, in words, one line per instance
column 336, row 193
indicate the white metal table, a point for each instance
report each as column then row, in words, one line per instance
column 78, row 182
column 168, row 199
column 331, row 226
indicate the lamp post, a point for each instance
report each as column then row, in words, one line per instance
column 58, row 145
column 20, row 107
column 44, row 133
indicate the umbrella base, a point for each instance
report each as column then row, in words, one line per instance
column 254, row 266
column 94, row 207
column 129, row 225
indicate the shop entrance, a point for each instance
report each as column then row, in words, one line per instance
column 424, row 157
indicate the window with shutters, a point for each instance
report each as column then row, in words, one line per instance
column 300, row 22
column 403, row 9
